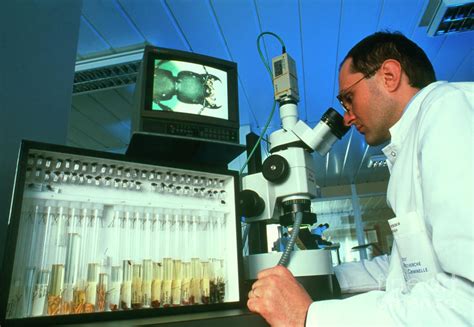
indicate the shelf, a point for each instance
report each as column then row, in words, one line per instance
column 183, row 149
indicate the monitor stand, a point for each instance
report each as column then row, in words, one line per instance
column 154, row 146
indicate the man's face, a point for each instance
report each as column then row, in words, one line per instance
column 367, row 105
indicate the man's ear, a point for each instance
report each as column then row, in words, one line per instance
column 391, row 71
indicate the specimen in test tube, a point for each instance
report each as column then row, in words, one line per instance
column 126, row 289
column 113, row 294
column 55, row 289
column 167, row 281
column 212, row 282
column 91, row 287
column 82, row 227
column 40, row 292
column 196, row 271
column 221, row 282
column 217, row 282
column 101, row 292
column 147, row 280
column 78, row 300
column 219, row 263
column 176, row 283
column 137, row 281
column 186, row 284
column 70, row 271
column 156, row 285
column 205, row 282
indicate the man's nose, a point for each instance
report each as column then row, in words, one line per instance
column 348, row 118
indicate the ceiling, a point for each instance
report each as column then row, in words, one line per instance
column 317, row 34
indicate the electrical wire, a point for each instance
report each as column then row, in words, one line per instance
column 267, row 66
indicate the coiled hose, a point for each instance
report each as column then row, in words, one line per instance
column 285, row 257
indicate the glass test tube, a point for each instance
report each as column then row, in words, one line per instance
column 176, row 283
column 211, row 236
column 55, row 289
column 195, row 244
column 48, row 221
column 116, row 233
column 146, row 229
column 220, row 262
column 137, row 281
column 39, row 293
column 138, row 245
column 220, row 281
column 196, row 272
column 70, row 272
column 158, row 234
column 94, row 224
column 84, row 253
column 91, row 287
column 186, row 283
column 102, row 289
column 212, row 281
column 61, row 234
column 167, row 237
column 156, row 285
column 167, row 281
column 147, row 281
column 41, row 288
column 113, row 294
column 126, row 289
column 79, row 298
column 80, row 225
column 24, row 270
column 205, row 283
column 126, row 229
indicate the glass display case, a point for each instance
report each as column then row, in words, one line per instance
column 97, row 234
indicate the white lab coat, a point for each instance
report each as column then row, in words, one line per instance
column 431, row 161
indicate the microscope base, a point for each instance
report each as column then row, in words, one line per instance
column 312, row 268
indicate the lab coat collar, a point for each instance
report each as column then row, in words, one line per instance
column 398, row 132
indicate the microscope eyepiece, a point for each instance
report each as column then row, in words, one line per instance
column 335, row 122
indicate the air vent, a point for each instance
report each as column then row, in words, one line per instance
column 448, row 16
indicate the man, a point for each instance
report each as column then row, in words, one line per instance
column 388, row 91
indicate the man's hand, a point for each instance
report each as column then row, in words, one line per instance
column 279, row 298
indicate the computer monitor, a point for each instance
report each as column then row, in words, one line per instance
column 187, row 94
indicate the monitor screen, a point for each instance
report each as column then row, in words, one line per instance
column 190, row 88
column 187, row 94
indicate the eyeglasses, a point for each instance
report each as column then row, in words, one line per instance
column 342, row 97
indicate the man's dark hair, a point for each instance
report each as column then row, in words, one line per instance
column 369, row 54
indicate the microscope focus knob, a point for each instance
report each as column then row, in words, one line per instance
column 275, row 169
column 251, row 204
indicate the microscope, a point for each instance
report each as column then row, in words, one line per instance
column 281, row 193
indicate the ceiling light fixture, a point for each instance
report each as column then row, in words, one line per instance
column 107, row 72
column 448, row 16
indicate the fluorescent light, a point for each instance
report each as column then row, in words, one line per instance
column 448, row 16
column 107, row 72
